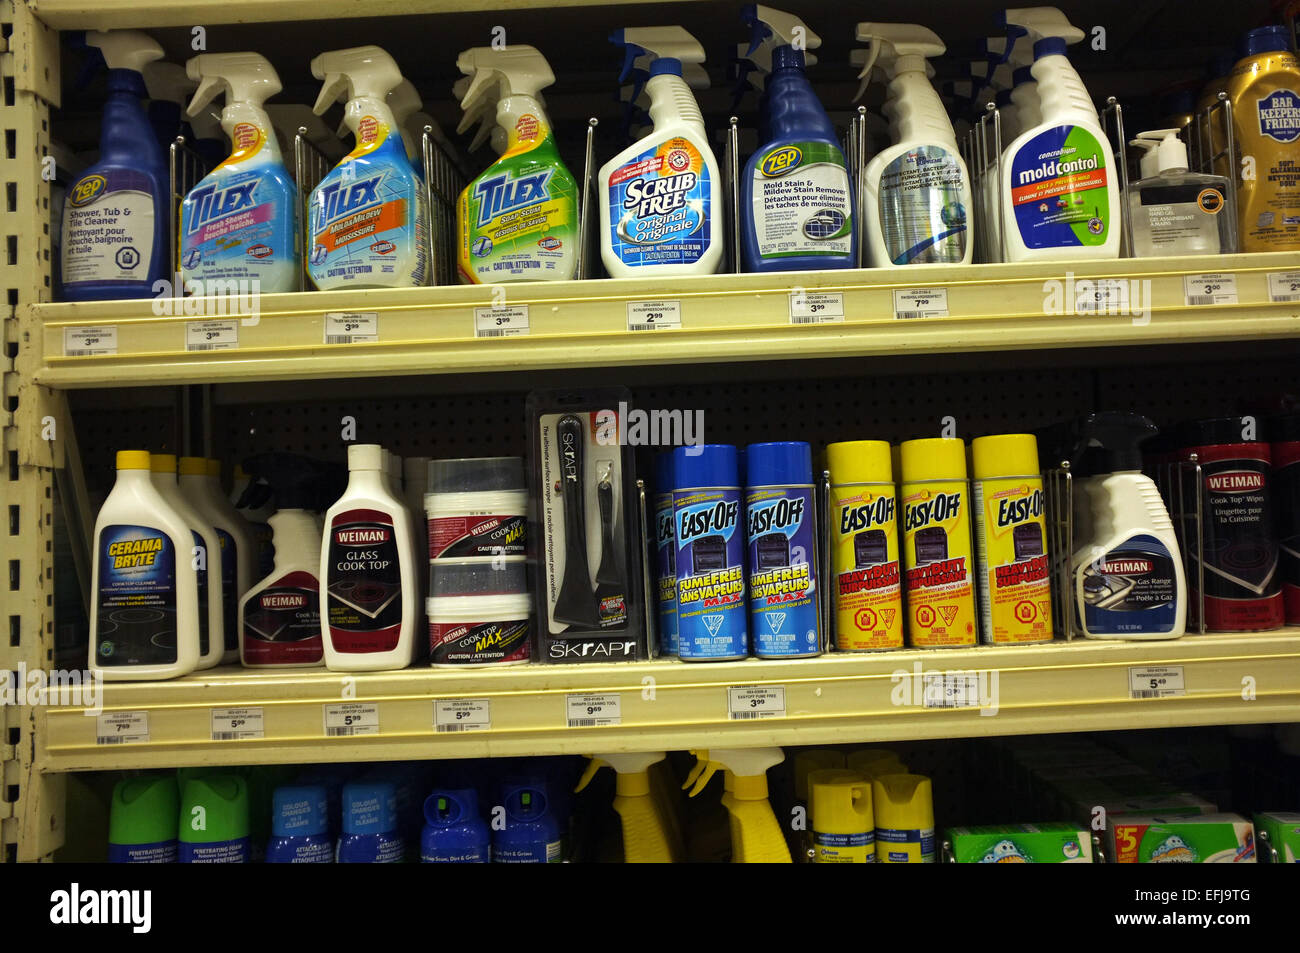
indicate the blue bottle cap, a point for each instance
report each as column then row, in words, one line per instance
column 1265, row 39
column 1049, row 46
column 713, row 464
column 446, row 807
column 787, row 463
column 299, row 811
column 668, row 65
column 663, row 472
column 1022, row 75
column 369, row 808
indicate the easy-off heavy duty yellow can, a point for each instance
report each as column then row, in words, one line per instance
column 1011, row 540
column 864, row 527
column 938, row 568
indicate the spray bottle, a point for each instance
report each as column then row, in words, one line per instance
column 796, row 202
column 368, row 220
column 647, row 837
column 240, row 223
column 114, row 237
column 903, row 805
column 167, row 86
column 279, row 617
column 917, row 192
column 756, row 835
column 1060, row 193
column 531, row 834
column 142, row 821
column 454, row 833
column 518, row 221
column 660, row 199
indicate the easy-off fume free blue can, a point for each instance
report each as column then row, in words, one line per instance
column 710, row 556
column 779, row 522
column 665, row 554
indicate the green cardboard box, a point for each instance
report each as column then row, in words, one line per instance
column 1163, row 839
column 1055, row 842
column 1279, row 837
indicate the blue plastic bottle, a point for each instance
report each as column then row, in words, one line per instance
column 370, row 834
column 454, row 833
column 796, row 203
column 531, row 834
column 300, row 826
column 115, row 219
column 331, row 779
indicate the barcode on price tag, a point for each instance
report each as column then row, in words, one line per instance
column 462, row 714
column 211, row 335
column 85, row 342
column 653, row 315
column 950, row 690
column 594, row 711
column 1284, row 286
column 351, row 718
column 236, row 724
column 816, row 307
column 921, row 303
column 351, row 327
column 1210, row 289
column 1101, row 296
column 122, row 728
column 755, row 702
column 500, row 322
column 1156, row 681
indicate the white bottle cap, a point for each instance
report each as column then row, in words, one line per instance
column 366, row 456
column 1163, row 151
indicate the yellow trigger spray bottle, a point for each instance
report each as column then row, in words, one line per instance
column 756, row 835
column 647, row 834
column 843, row 829
column 1011, row 539
column 904, row 817
column 937, row 543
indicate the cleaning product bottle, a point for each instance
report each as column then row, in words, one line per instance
column 300, row 827
column 279, row 616
column 1060, row 193
column 454, row 833
column 1128, row 572
column 404, row 101
column 842, row 823
column 142, row 821
column 518, row 221
column 167, row 86
column 114, row 237
column 368, row 224
column 531, row 834
column 757, row 837
column 206, row 554
column 796, row 203
column 665, row 553
column 369, row 613
column 1264, row 89
column 661, row 203
column 646, row 832
column 917, row 192
column 370, row 827
column 214, row 820
column 903, row 805
column 240, row 223
column 144, row 610
column 200, row 485
column 251, row 499
column 1176, row 212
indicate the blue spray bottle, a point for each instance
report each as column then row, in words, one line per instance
column 454, row 833
column 115, row 219
column 300, row 831
column 531, row 834
column 796, row 203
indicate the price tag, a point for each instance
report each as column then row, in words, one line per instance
column 211, row 335
column 921, row 303
column 1284, row 286
column 236, row 724
column 653, row 315
column 1102, row 296
column 755, row 702
column 950, row 690
column 122, row 728
column 1156, row 681
column 85, row 342
column 1210, row 289
column 815, row 307
column 500, row 322
column 594, row 711
column 462, row 714
column 351, row 327
column 351, row 718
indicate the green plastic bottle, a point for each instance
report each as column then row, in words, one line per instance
column 142, row 822
column 214, row 820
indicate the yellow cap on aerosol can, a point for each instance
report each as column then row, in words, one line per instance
column 936, row 543
column 808, row 760
column 864, row 546
column 904, row 817
column 843, row 828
